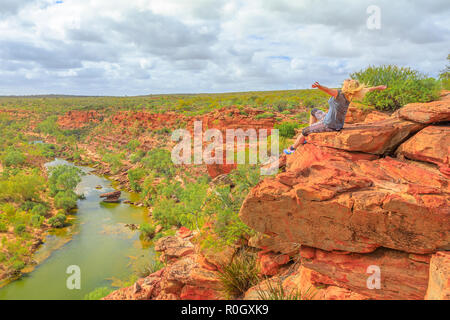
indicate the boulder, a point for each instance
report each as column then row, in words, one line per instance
column 311, row 285
column 270, row 262
column 426, row 113
column 111, row 196
column 273, row 244
column 332, row 202
column 439, row 284
column 173, row 247
column 379, row 137
column 402, row 276
column 431, row 144
column 360, row 114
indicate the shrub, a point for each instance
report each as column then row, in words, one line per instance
column 28, row 205
column 98, row 293
column 287, row 129
column 150, row 268
column 66, row 200
column 240, row 275
column 405, row 86
column 114, row 160
column 147, row 230
column 276, row 291
column 19, row 229
column 445, row 76
column 3, row 227
column 18, row 265
column 160, row 162
column 57, row 221
column 63, row 178
column 37, row 220
column 135, row 176
column 40, row 210
column 13, row 158
column 265, row 115
column 132, row 145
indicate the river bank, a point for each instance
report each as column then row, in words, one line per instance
column 107, row 252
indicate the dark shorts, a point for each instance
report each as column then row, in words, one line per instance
column 318, row 126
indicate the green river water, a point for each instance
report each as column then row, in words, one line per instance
column 98, row 242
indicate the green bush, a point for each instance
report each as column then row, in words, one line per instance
column 57, row 221
column 276, row 291
column 63, row 178
column 18, row 265
column 150, row 268
column 98, row 293
column 132, row 145
column 287, row 129
column 66, row 200
column 240, row 275
column 40, row 210
column 19, row 229
column 147, row 230
column 445, row 76
column 160, row 162
column 13, row 158
column 3, row 227
column 37, row 220
column 265, row 115
column 405, row 85
column 135, row 176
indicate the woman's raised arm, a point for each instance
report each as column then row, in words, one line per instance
column 331, row 92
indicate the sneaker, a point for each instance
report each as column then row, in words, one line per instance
column 289, row 151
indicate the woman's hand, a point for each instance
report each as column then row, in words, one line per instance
column 383, row 87
column 316, row 85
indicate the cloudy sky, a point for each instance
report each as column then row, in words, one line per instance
column 134, row 47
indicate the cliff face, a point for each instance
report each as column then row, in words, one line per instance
column 374, row 194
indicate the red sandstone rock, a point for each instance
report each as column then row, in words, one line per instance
column 401, row 277
column 312, row 285
column 215, row 170
column 272, row 243
column 79, row 119
column 184, row 232
column 431, row 144
column 270, row 262
column 426, row 113
column 376, row 138
column 173, row 247
column 334, row 203
column 197, row 293
column 143, row 289
column 439, row 284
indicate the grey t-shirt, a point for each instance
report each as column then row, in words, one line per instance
column 335, row 117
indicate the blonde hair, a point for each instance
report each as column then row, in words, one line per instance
column 352, row 88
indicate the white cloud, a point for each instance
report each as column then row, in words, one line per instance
column 163, row 46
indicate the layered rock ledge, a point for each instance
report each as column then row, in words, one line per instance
column 375, row 194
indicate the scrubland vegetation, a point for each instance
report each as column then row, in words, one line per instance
column 32, row 199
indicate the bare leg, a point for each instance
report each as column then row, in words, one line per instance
column 300, row 140
column 312, row 120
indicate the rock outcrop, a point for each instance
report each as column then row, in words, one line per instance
column 77, row 119
column 439, row 285
column 350, row 205
column 189, row 274
column 111, row 197
column 432, row 144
